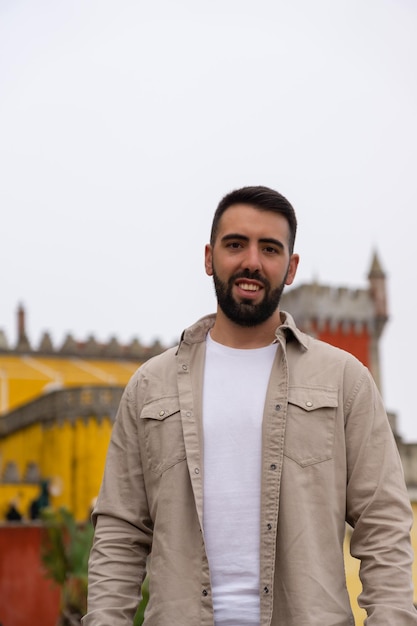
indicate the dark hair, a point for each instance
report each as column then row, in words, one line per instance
column 262, row 198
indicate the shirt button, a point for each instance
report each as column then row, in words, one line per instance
column 273, row 466
column 161, row 413
column 266, row 590
column 205, row 592
column 185, row 368
column 277, row 407
column 196, row 470
column 309, row 403
column 269, row 526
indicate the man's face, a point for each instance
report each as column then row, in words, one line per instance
column 250, row 263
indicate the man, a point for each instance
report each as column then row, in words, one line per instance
column 237, row 457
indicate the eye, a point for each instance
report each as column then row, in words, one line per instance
column 234, row 245
column 271, row 250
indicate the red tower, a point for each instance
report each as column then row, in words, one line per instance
column 351, row 319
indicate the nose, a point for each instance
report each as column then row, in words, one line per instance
column 252, row 259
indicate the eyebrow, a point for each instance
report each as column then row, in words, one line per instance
column 270, row 240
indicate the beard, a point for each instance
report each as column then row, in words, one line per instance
column 247, row 313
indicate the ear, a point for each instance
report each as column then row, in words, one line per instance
column 208, row 259
column 292, row 269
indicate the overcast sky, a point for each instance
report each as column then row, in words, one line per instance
column 123, row 123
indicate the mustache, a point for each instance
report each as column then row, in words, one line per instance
column 250, row 275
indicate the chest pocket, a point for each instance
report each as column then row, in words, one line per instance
column 310, row 429
column 162, row 428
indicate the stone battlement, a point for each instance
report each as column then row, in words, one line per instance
column 331, row 304
column 71, row 347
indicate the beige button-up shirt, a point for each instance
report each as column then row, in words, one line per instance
column 329, row 457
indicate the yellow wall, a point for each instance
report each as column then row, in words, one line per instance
column 70, row 455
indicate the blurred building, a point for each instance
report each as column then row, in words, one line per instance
column 57, row 407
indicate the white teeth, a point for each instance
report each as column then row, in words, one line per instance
column 249, row 287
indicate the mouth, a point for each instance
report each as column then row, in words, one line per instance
column 249, row 288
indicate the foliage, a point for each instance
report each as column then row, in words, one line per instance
column 139, row 617
column 65, row 550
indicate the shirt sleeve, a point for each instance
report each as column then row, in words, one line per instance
column 123, row 528
column 379, row 510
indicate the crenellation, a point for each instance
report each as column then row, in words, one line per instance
column 45, row 345
column 338, row 304
column 113, row 349
column 135, row 350
column 70, row 347
column 91, row 347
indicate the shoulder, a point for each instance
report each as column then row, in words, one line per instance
column 155, row 367
column 324, row 350
column 156, row 378
column 306, row 348
column 317, row 362
column 160, row 361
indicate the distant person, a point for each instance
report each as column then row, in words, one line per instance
column 41, row 502
column 13, row 514
column 237, row 457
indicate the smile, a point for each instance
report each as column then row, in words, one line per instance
column 249, row 287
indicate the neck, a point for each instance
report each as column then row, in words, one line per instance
column 233, row 335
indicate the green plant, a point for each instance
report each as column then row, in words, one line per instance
column 64, row 552
column 140, row 613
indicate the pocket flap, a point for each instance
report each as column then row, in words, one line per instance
column 312, row 399
column 160, row 409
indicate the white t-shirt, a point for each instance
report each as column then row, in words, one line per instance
column 235, row 384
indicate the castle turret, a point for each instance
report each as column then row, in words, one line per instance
column 22, row 340
column 378, row 293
